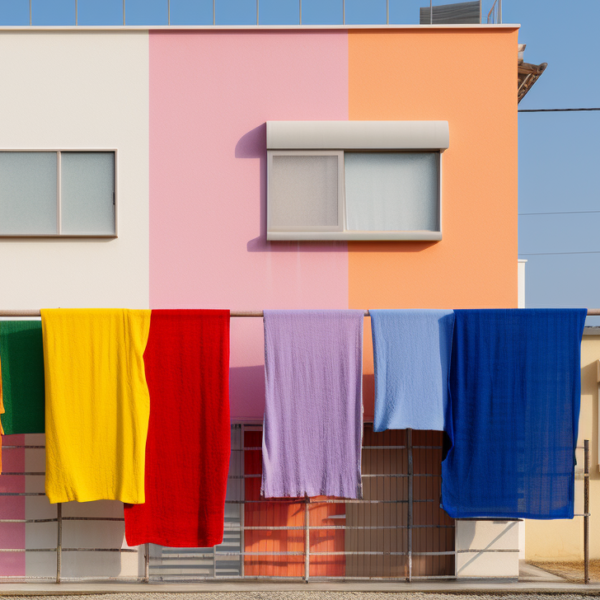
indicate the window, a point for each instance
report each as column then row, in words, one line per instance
column 57, row 194
column 355, row 180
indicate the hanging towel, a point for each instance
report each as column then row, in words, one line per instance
column 97, row 404
column 22, row 368
column 187, row 454
column 412, row 358
column 513, row 414
column 313, row 414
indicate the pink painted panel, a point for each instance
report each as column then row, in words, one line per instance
column 12, row 535
column 210, row 96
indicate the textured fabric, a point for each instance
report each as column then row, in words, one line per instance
column 412, row 358
column 513, row 413
column 187, row 454
column 97, row 404
column 22, row 360
column 313, row 412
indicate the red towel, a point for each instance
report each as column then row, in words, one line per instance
column 188, row 447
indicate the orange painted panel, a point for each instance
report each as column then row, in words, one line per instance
column 281, row 513
column 468, row 78
column 287, row 512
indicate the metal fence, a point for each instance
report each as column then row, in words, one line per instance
column 397, row 531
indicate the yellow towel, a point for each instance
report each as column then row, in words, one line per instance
column 97, row 404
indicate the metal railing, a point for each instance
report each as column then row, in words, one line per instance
column 388, row 542
column 238, row 556
column 494, row 16
column 401, row 501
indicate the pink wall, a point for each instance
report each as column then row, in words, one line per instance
column 12, row 535
column 210, row 96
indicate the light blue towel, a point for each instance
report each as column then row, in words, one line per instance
column 412, row 358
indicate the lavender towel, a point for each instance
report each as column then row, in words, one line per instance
column 312, row 432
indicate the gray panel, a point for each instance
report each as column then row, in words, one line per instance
column 452, row 14
column 87, row 186
column 27, row 193
column 392, row 191
column 357, row 135
column 303, row 191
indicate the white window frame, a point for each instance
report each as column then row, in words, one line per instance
column 340, row 191
column 315, row 138
column 59, row 233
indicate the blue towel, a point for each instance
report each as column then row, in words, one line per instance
column 513, row 415
column 412, row 357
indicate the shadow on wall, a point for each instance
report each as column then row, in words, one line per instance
column 253, row 145
column 247, row 391
column 496, row 535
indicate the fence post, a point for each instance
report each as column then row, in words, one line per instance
column 58, row 541
column 586, row 510
column 243, row 499
column 306, row 540
column 410, row 500
column 146, row 563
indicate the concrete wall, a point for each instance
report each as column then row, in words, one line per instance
column 79, row 91
column 563, row 540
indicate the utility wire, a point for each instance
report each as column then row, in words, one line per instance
column 567, row 212
column 556, row 109
column 556, row 253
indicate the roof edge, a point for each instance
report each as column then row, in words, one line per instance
column 129, row 28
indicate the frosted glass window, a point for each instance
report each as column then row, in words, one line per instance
column 27, row 193
column 303, row 191
column 87, row 193
column 392, row 191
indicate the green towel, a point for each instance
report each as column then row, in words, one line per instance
column 22, row 361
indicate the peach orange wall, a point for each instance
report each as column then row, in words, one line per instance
column 468, row 78
column 210, row 96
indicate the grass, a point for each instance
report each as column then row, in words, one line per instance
column 570, row 570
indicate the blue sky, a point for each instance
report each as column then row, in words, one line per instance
column 558, row 152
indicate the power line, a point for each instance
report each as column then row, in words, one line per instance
column 556, row 253
column 567, row 212
column 556, row 109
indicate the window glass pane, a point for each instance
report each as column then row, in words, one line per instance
column 87, row 180
column 303, row 191
column 392, row 191
column 27, row 193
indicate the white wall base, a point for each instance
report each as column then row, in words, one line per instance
column 477, row 545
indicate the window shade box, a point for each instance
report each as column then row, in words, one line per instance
column 358, row 135
column 355, row 180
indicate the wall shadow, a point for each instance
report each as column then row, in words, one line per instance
column 247, row 391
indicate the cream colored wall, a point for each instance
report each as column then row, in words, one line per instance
column 70, row 90
column 78, row 90
column 551, row 540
